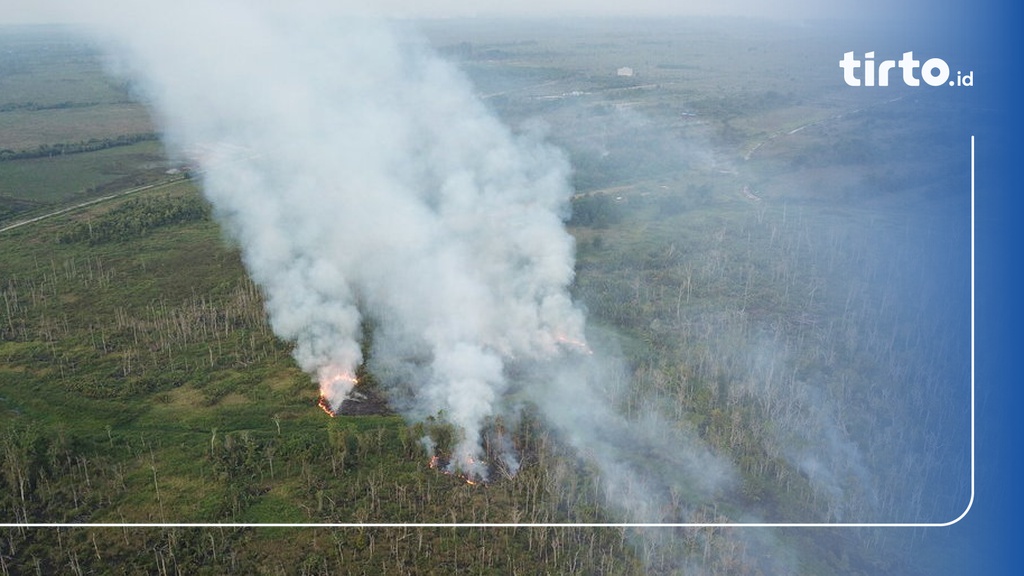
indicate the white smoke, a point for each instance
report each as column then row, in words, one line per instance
column 649, row 468
column 364, row 180
column 367, row 185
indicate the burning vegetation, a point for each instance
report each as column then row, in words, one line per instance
column 325, row 405
column 498, row 461
column 335, row 386
column 576, row 345
column 445, row 466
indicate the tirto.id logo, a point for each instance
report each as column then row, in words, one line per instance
column 934, row 71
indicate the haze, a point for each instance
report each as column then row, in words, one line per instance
column 66, row 11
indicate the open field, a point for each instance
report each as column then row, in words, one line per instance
column 29, row 129
column 51, row 181
column 786, row 279
column 56, row 99
column 54, row 88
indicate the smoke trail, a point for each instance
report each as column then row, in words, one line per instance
column 649, row 469
column 363, row 180
column 366, row 185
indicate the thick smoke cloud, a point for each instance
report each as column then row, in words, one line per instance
column 369, row 189
column 367, row 185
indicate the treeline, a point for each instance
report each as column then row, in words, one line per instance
column 63, row 148
column 346, row 470
column 595, row 210
column 36, row 107
column 136, row 218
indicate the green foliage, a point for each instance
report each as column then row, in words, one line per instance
column 595, row 210
column 80, row 147
column 135, row 218
column 43, row 182
column 164, row 400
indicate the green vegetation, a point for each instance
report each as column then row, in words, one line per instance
column 134, row 393
column 38, row 185
column 91, row 145
column 135, row 218
column 67, row 130
column 53, row 89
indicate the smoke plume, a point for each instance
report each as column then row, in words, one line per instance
column 367, row 185
column 369, row 188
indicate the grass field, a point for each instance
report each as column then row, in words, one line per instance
column 28, row 129
column 54, row 88
column 55, row 92
column 50, row 181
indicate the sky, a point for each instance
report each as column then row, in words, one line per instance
column 65, row 11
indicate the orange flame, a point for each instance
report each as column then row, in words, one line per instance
column 333, row 380
column 325, row 405
column 579, row 344
column 437, row 463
